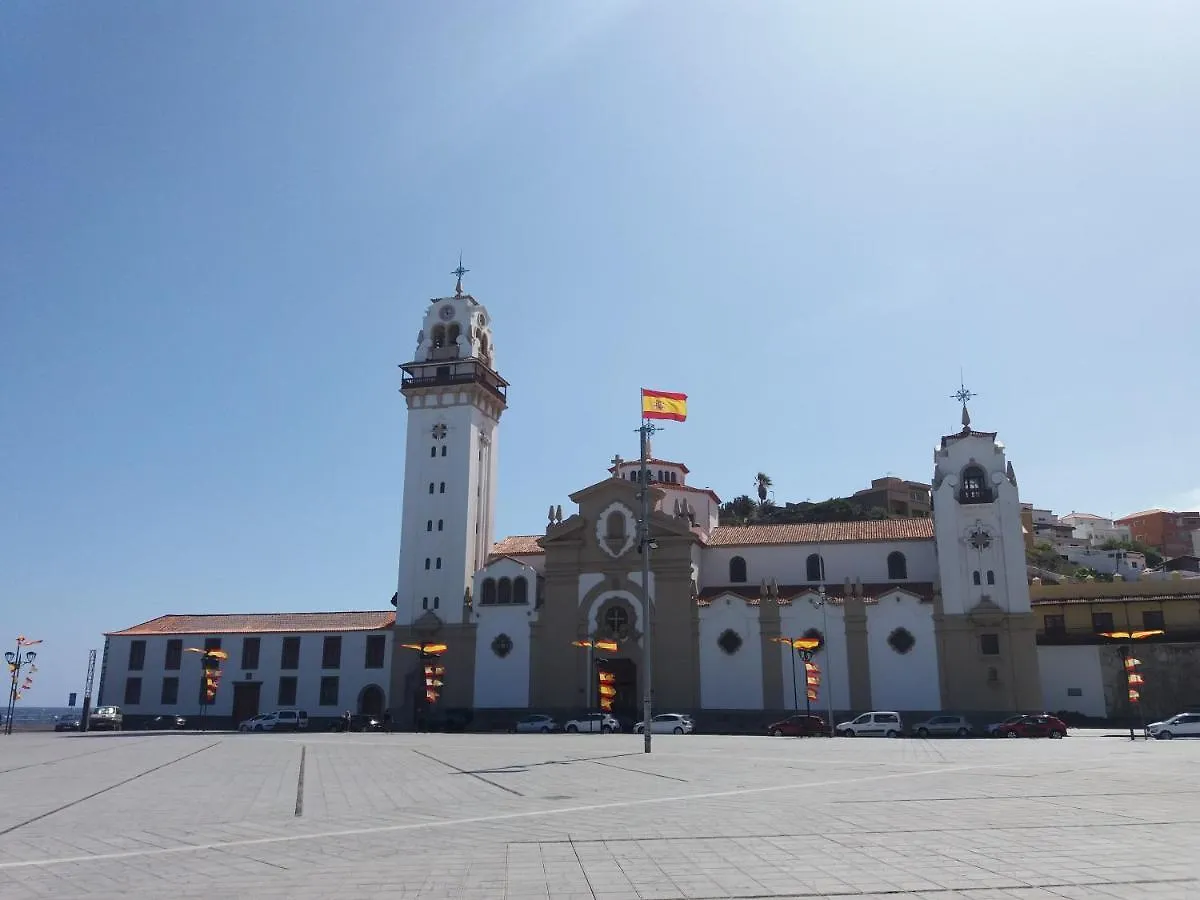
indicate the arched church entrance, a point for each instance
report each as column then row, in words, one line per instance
column 371, row 701
column 625, row 704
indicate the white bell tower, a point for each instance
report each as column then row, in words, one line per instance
column 977, row 522
column 455, row 398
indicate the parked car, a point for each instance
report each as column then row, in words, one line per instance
column 106, row 718
column 594, row 723
column 164, row 723
column 995, row 728
column 798, row 726
column 66, row 724
column 280, row 720
column 538, row 723
column 873, row 724
column 943, row 726
column 1035, row 726
column 667, row 723
column 1181, row 725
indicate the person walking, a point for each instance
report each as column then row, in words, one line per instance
column 346, row 721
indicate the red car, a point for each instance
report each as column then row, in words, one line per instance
column 1034, row 726
column 798, row 726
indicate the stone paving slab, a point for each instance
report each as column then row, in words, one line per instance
column 483, row 817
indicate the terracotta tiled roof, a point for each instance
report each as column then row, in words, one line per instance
column 518, row 545
column 651, row 462
column 1145, row 512
column 823, row 532
column 687, row 487
column 249, row 623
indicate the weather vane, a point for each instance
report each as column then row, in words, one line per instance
column 459, row 272
column 962, row 395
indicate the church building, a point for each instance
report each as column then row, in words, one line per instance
column 913, row 615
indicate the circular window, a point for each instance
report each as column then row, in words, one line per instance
column 901, row 640
column 502, row 645
column 729, row 641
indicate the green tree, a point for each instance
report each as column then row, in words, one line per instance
column 762, row 482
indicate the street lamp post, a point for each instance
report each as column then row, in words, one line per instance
column 645, row 545
column 1129, row 668
column 805, row 648
column 821, row 603
column 592, row 644
column 17, row 660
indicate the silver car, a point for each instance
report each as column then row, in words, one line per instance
column 943, row 726
column 538, row 723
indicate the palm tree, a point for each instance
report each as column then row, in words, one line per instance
column 763, row 481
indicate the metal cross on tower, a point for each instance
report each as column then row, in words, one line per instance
column 459, row 273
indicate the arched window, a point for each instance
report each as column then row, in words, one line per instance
column 815, row 567
column 897, row 566
column 452, row 334
column 487, row 595
column 429, row 525
column 974, row 487
column 991, row 576
column 614, row 526
column 427, row 563
column 431, row 487
column 439, row 337
column 424, row 603
column 505, row 592
column 443, row 449
column 436, row 602
column 442, row 488
column 439, row 524
column 433, row 451
column 520, row 589
column 737, row 570
column 975, row 577
column 438, row 564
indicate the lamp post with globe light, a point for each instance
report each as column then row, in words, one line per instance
column 17, row 660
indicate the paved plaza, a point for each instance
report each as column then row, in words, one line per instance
column 590, row 816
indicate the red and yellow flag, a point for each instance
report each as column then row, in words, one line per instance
column 664, row 405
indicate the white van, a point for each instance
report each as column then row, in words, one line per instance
column 873, row 724
column 280, row 720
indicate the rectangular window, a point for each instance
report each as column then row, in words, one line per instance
column 137, row 656
column 331, row 652
column 329, row 690
column 1102, row 621
column 174, row 654
column 250, row 647
column 376, row 645
column 1152, row 619
column 287, row 690
column 290, row 658
column 170, row 691
column 212, row 643
column 989, row 644
column 1056, row 624
column 1074, row 692
column 133, row 691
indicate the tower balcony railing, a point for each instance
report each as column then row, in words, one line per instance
column 421, row 376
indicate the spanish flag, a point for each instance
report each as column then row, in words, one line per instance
column 664, row 405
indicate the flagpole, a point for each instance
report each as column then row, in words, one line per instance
column 644, row 542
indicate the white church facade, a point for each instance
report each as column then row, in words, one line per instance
column 913, row 614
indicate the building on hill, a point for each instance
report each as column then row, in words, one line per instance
column 1096, row 530
column 896, row 497
column 1167, row 531
column 914, row 614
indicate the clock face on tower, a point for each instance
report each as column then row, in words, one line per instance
column 446, row 312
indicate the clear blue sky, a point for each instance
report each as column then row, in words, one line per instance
column 222, row 222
